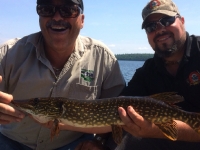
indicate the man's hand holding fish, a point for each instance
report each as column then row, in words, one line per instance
column 139, row 127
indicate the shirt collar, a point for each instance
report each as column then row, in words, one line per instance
column 37, row 39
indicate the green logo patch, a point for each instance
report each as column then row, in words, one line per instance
column 87, row 75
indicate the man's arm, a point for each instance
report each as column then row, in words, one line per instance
column 139, row 127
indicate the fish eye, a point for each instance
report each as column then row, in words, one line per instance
column 36, row 101
column 60, row 106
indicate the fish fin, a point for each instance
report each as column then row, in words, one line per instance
column 55, row 129
column 168, row 97
column 117, row 133
column 169, row 130
column 194, row 121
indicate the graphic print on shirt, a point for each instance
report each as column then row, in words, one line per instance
column 87, row 75
column 194, row 78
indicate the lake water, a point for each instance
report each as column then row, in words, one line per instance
column 128, row 68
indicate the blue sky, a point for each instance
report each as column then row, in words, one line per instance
column 117, row 23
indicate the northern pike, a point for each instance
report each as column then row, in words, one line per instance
column 158, row 109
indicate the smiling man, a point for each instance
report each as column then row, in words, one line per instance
column 56, row 62
column 175, row 67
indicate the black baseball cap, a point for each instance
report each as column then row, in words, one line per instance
column 79, row 2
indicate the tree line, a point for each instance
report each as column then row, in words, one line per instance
column 134, row 57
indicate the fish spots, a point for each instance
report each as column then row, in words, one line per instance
column 102, row 112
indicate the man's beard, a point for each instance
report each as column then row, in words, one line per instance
column 169, row 50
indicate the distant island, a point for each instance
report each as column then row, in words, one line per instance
column 134, row 57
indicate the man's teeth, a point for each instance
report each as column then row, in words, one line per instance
column 162, row 39
column 58, row 28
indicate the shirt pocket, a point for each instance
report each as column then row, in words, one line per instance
column 79, row 91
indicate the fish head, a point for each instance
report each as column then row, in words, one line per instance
column 40, row 106
column 26, row 105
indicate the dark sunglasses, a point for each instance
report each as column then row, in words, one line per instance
column 66, row 11
column 165, row 22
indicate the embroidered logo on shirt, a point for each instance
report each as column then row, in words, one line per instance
column 194, row 78
column 87, row 75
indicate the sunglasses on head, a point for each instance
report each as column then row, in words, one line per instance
column 165, row 22
column 66, row 11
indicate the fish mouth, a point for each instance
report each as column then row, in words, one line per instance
column 22, row 104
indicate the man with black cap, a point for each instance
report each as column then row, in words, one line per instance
column 175, row 67
column 56, row 62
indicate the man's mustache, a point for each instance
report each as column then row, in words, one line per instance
column 164, row 33
column 58, row 23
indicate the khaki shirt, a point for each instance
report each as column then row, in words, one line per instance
column 91, row 72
